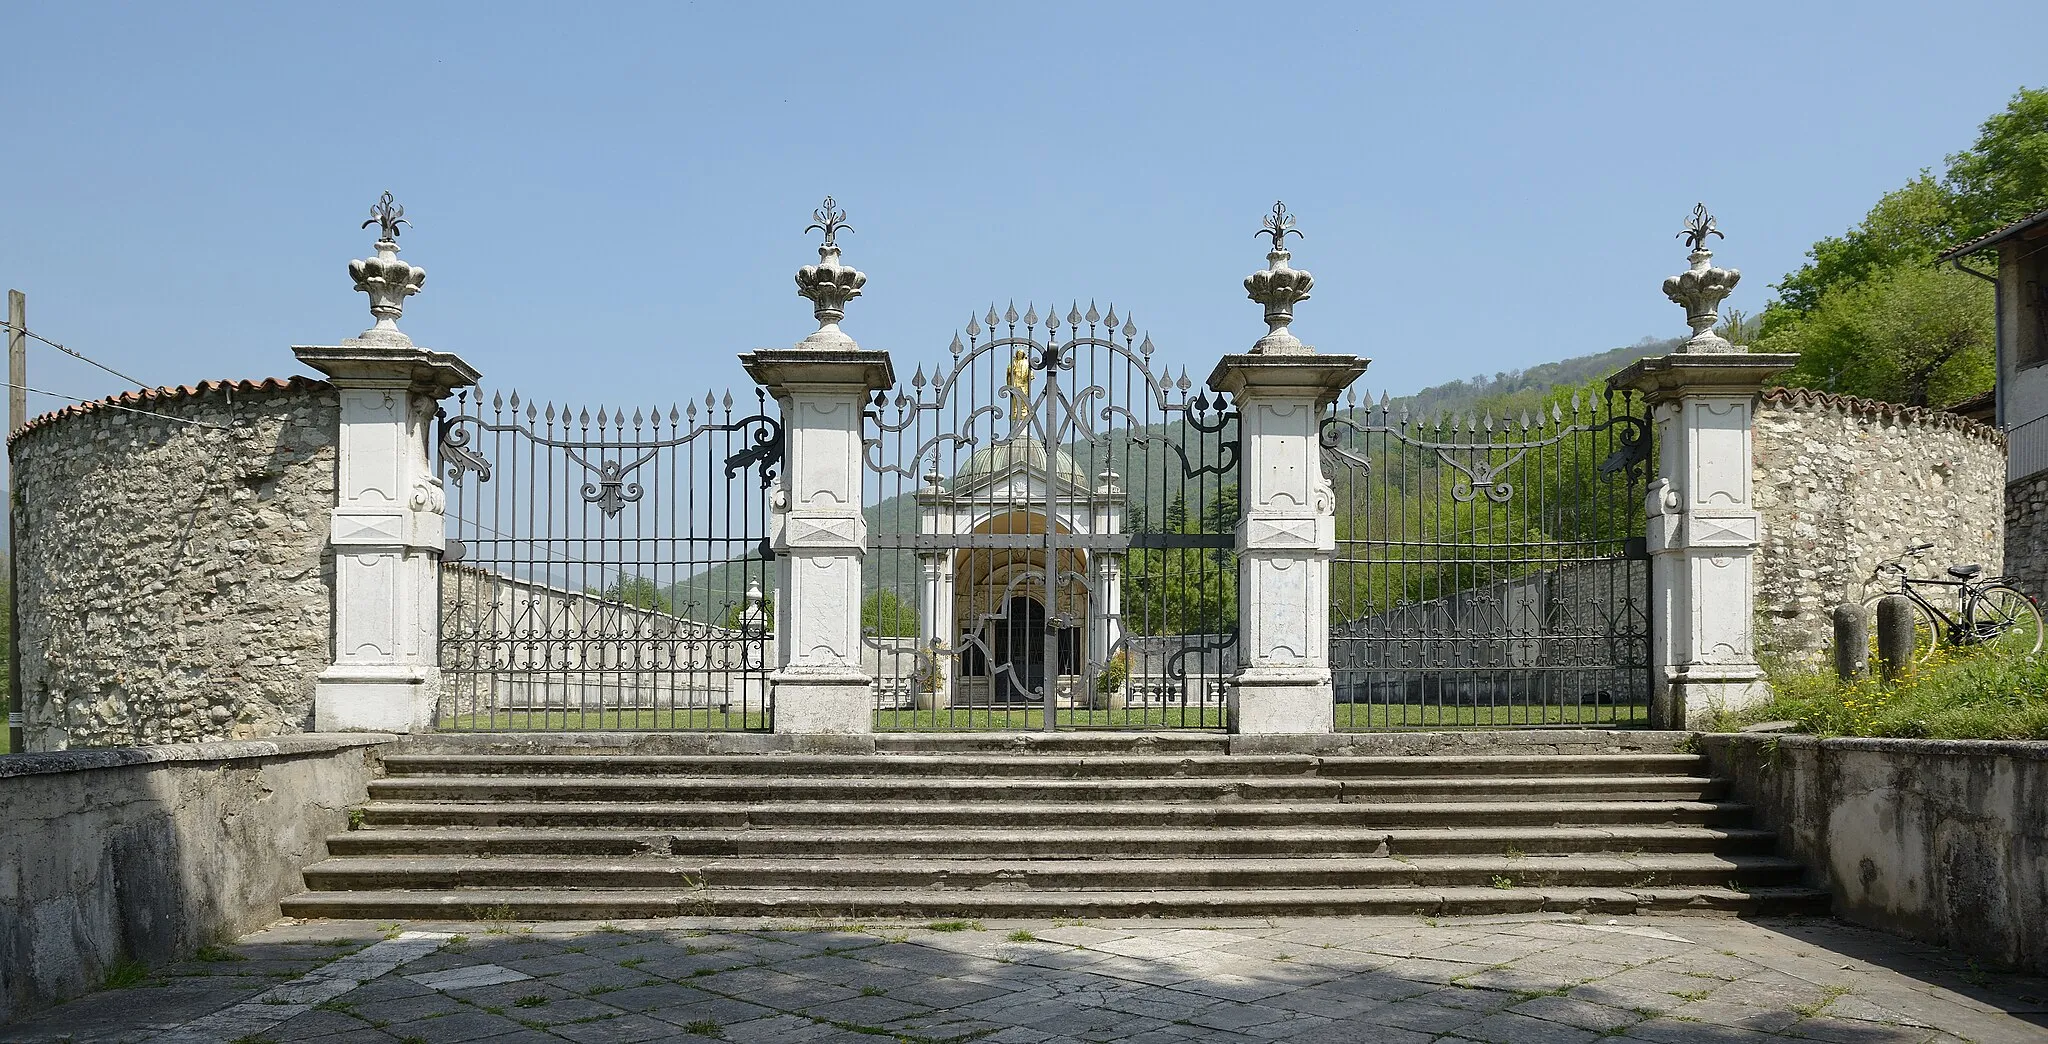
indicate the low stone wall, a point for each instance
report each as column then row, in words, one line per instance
column 147, row 853
column 1942, row 841
column 173, row 579
column 1843, row 484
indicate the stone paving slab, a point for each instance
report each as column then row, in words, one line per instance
column 1537, row 979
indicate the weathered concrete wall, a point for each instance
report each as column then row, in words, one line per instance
column 2026, row 533
column 1843, row 484
column 1942, row 841
column 147, row 853
column 173, row 578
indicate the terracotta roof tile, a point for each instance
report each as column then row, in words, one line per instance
column 143, row 400
column 1878, row 407
column 1996, row 235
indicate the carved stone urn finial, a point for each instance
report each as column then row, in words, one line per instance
column 1701, row 288
column 829, row 284
column 384, row 277
column 1279, row 287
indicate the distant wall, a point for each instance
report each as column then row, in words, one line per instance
column 148, row 853
column 1843, row 484
column 509, row 644
column 173, row 579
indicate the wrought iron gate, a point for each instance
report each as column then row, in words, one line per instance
column 1051, row 525
column 1490, row 572
column 606, row 571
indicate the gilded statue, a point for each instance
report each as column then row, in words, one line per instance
column 1019, row 384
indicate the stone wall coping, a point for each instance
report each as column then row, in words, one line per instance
column 44, row 763
column 2026, row 750
column 142, row 399
column 1852, row 404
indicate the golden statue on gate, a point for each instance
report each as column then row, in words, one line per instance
column 1019, row 385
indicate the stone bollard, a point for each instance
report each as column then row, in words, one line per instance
column 1895, row 626
column 1852, row 642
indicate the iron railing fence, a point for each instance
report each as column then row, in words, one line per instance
column 1490, row 571
column 606, row 569
column 1052, row 517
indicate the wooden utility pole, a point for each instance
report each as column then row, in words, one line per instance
column 17, row 415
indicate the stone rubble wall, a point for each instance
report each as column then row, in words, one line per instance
column 2026, row 533
column 1843, row 484
column 173, row 580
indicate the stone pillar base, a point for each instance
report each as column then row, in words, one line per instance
column 833, row 705
column 346, row 700
column 1273, row 701
column 1695, row 695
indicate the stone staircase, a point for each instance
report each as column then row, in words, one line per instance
column 1066, row 825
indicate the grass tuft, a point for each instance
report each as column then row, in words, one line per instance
column 1978, row 693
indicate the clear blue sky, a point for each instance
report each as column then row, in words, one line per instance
column 610, row 199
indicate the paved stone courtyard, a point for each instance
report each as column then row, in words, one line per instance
column 1545, row 979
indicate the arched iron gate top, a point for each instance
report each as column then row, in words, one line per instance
column 1044, row 469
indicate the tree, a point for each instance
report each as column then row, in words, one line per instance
column 2004, row 175
column 636, row 591
column 1917, row 335
column 1866, row 305
column 884, row 615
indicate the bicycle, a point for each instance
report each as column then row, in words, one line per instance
column 1990, row 611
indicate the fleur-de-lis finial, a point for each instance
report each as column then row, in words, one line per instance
column 387, row 215
column 1698, row 228
column 1278, row 224
column 829, row 221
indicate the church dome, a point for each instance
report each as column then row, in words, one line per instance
column 1025, row 452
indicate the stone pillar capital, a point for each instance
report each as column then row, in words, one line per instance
column 1315, row 379
column 784, row 371
column 1662, row 378
column 356, row 363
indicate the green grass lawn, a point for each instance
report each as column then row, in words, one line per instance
column 982, row 719
column 1365, row 717
column 1003, row 719
column 1981, row 693
column 650, row 720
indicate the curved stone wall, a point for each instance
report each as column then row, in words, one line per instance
column 1843, row 484
column 172, row 579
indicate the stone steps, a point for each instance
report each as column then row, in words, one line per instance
column 1007, row 789
column 702, row 815
column 927, row 766
column 1154, row 842
column 1057, row 873
column 1088, row 825
column 539, row 904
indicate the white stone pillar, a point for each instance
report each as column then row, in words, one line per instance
column 818, row 530
column 1286, row 538
column 1287, row 528
column 387, row 526
column 1702, row 531
column 1702, row 523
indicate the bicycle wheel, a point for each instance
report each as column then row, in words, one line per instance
column 1926, row 634
column 2006, row 620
